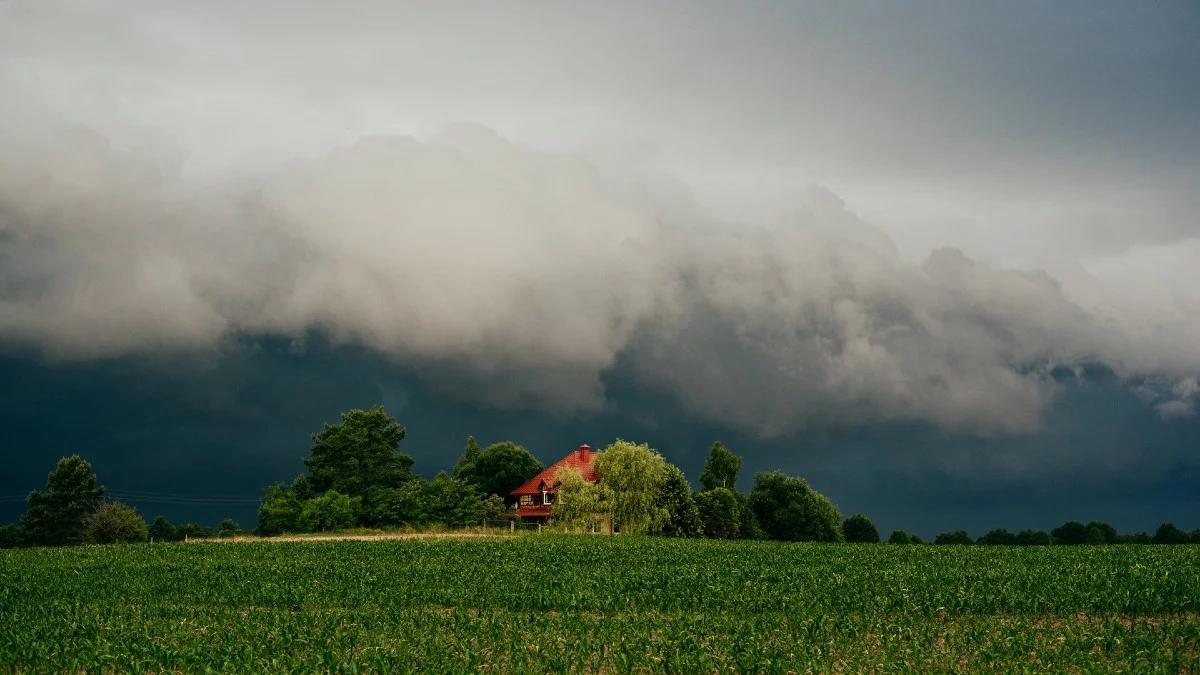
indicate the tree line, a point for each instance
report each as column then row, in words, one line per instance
column 356, row 476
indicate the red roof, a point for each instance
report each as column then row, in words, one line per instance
column 583, row 459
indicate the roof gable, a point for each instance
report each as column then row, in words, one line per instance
column 583, row 459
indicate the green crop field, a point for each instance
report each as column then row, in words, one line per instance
column 560, row 603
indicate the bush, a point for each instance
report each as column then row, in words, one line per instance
column 228, row 528
column 193, row 531
column 1072, row 533
column 998, row 537
column 114, row 523
column 11, row 536
column 955, row 537
column 899, row 537
column 859, row 529
column 330, row 511
column 1032, row 538
column 279, row 511
column 788, row 509
column 498, row 469
column 683, row 517
column 162, row 530
column 1167, row 533
column 720, row 513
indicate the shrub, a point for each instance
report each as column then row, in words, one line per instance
column 1167, row 533
column 956, row 537
column 114, row 523
column 330, row 511
column 1072, row 533
column 859, row 529
column 683, row 517
column 162, row 530
column 998, row 537
column 720, row 513
column 228, row 528
column 1032, row 538
column 788, row 509
column 899, row 537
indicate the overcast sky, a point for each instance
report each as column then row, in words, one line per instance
column 780, row 219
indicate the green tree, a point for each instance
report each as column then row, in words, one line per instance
column 55, row 516
column 331, row 511
column 959, row 537
column 635, row 475
column 579, row 506
column 451, row 501
column 360, row 451
column 748, row 527
column 720, row 513
column 466, row 463
column 114, row 523
column 498, row 469
column 279, row 511
column 1167, row 533
column 404, row 505
column 683, row 518
column 162, row 530
column 859, row 529
column 193, row 531
column 788, row 509
column 721, row 468
column 998, row 537
column 11, row 536
column 1072, row 533
column 1032, row 538
column 228, row 528
column 899, row 537
column 1101, row 533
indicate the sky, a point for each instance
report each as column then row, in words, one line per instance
column 938, row 258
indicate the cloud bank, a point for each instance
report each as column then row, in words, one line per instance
column 519, row 277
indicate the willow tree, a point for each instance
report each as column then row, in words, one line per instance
column 579, row 505
column 635, row 474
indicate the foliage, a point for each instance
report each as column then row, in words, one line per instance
column 683, row 518
column 721, row 468
column 859, row 529
column 900, row 537
column 331, row 511
column 228, row 528
column 193, row 531
column 959, row 537
column 11, row 536
column 1101, row 533
column 1032, row 538
column 279, row 511
column 114, row 523
column 360, row 451
column 498, row 469
column 1167, row 533
column 162, row 530
column 788, row 509
column 1071, row 533
column 580, row 506
column 600, row 604
column 55, row 515
column 720, row 513
column 404, row 505
column 451, row 501
column 635, row 475
column 998, row 537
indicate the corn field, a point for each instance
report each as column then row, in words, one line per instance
column 554, row 603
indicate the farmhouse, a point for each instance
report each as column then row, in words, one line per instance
column 536, row 495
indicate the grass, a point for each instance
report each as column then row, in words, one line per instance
column 556, row 603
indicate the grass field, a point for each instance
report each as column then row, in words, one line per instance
column 556, row 603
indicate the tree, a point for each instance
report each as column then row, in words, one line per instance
column 451, row 501
column 1167, row 533
column 683, row 518
column 55, row 516
column 228, row 528
column 193, row 531
column 11, row 536
column 360, row 451
column 635, row 475
column 499, row 469
column 720, row 513
column 1032, row 538
column 788, row 509
column 958, row 537
column 1101, row 533
column 466, row 463
column 579, row 505
column 1072, row 533
column 721, row 468
column 279, row 511
column 859, row 529
column 998, row 537
column 114, row 523
column 404, row 505
column 331, row 511
column 899, row 537
column 162, row 530
column 748, row 527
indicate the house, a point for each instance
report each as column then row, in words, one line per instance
column 536, row 495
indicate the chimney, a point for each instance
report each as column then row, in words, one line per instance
column 584, row 451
